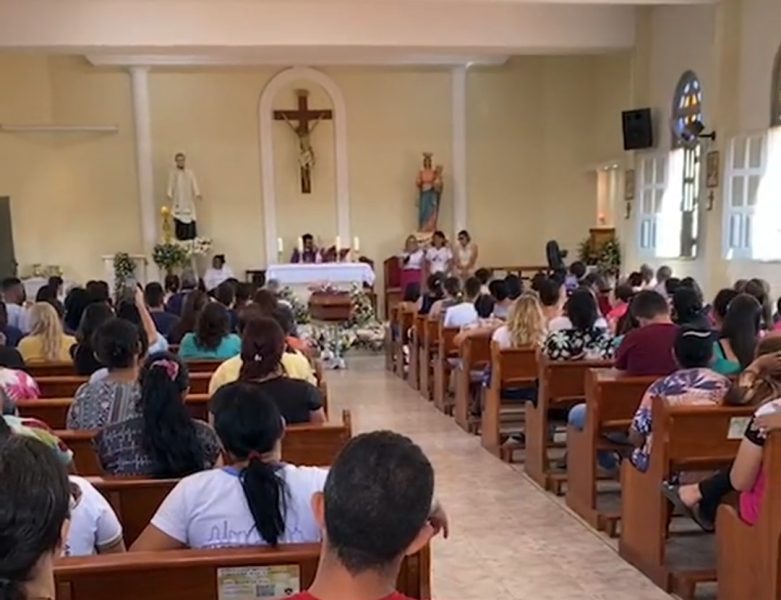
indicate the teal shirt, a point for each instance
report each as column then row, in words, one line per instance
column 229, row 347
column 721, row 364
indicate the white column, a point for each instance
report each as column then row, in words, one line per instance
column 458, row 100
column 139, row 82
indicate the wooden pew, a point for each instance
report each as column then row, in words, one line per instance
column 561, row 385
column 426, row 358
column 310, row 445
column 510, row 369
column 612, row 398
column 390, row 339
column 415, row 345
column 135, row 501
column 65, row 386
column 195, row 574
column 475, row 355
column 446, row 349
column 748, row 556
column 67, row 369
column 54, row 411
column 685, row 438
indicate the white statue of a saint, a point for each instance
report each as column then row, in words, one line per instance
column 182, row 193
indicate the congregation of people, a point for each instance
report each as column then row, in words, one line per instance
column 724, row 352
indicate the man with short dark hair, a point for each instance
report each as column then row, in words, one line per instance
column 649, row 349
column 154, row 296
column 308, row 253
column 377, row 507
column 14, row 297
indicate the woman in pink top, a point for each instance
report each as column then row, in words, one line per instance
column 623, row 295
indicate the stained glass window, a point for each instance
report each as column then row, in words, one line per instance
column 687, row 106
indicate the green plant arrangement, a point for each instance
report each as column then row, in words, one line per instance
column 169, row 255
column 124, row 269
column 606, row 258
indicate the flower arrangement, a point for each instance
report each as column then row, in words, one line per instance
column 196, row 247
column 124, row 269
column 170, row 255
column 362, row 307
column 606, row 257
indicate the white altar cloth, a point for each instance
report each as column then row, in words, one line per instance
column 306, row 274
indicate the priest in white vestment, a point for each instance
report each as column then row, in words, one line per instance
column 182, row 193
column 218, row 273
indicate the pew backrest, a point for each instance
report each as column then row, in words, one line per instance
column 51, row 369
column 613, row 397
column 446, row 338
column 201, row 574
column 513, row 367
column 565, row 380
column 312, row 445
column 476, row 351
column 692, row 438
column 65, row 386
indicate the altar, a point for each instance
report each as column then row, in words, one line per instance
column 334, row 274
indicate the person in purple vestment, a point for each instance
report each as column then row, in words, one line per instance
column 310, row 254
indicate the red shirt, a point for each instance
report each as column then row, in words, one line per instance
column 648, row 350
column 308, row 596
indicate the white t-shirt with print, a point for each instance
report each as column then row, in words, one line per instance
column 438, row 258
column 209, row 509
column 93, row 522
column 461, row 315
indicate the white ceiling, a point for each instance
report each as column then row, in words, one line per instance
column 241, row 32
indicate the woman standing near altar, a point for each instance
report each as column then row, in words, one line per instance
column 411, row 263
column 465, row 256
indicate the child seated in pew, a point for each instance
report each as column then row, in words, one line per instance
column 623, row 296
column 648, row 350
column 514, row 286
column 256, row 500
column 502, row 302
column 583, row 338
column 162, row 441
column 759, row 385
column 464, row 313
column 115, row 397
column 35, row 500
column 375, row 509
column 435, row 291
column 94, row 527
column 694, row 384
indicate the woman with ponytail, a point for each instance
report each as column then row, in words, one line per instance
column 163, row 441
column 257, row 500
column 34, row 511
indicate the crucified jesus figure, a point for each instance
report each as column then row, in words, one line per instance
column 303, row 131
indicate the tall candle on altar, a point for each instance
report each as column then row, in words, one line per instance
column 301, row 246
column 356, row 244
column 280, row 246
column 338, row 243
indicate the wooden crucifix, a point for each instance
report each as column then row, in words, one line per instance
column 303, row 116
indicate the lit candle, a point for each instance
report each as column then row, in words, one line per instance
column 356, row 244
column 301, row 245
column 280, row 246
column 338, row 243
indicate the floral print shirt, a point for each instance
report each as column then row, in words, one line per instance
column 575, row 344
column 688, row 386
column 18, row 385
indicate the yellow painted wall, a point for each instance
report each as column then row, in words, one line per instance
column 731, row 46
column 536, row 128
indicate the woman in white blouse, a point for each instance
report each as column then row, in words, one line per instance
column 411, row 263
column 257, row 500
column 465, row 255
column 439, row 256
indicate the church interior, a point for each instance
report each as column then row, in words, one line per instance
column 651, row 128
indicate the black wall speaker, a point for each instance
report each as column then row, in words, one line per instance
column 638, row 130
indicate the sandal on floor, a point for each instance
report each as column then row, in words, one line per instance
column 671, row 491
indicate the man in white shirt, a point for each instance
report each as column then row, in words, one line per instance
column 14, row 297
column 218, row 273
column 464, row 314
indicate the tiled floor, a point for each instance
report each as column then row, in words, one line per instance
column 509, row 540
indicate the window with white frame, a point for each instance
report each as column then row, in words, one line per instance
column 650, row 191
column 752, row 196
